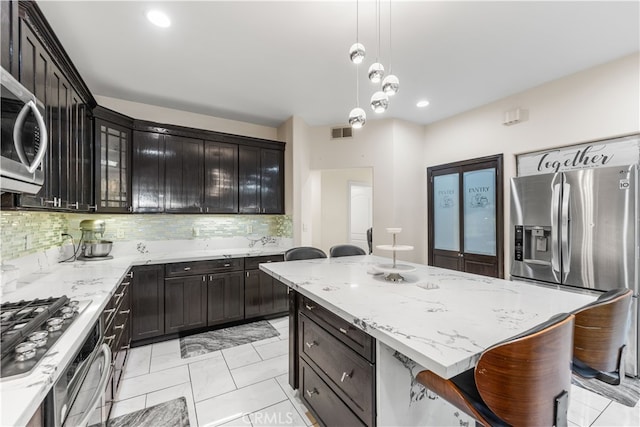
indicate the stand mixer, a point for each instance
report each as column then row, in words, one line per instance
column 92, row 245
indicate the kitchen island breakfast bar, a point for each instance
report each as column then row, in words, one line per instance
column 358, row 340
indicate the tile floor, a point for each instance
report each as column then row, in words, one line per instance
column 247, row 385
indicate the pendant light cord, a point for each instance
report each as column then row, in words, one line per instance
column 390, row 50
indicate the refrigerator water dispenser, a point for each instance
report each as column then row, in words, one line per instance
column 533, row 244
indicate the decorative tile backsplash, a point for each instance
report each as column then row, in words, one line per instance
column 25, row 233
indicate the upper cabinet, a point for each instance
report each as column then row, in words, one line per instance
column 185, row 170
column 220, row 177
column 261, row 182
column 32, row 53
column 112, row 140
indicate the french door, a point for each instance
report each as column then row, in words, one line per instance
column 466, row 217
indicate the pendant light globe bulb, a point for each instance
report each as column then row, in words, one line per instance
column 357, row 118
column 357, row 53
column 390, row 85
column 376, row 72
column 379, row 102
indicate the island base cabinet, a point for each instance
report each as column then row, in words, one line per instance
column 264, row 295
column 325, row 405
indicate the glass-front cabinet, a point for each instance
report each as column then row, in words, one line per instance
column 112, row 133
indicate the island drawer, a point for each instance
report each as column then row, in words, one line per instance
column 351, row 376
column 324, row 403
column 251, row 263
column 203, row 267
column 355, row 338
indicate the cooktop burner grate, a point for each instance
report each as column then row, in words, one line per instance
column 19, row 319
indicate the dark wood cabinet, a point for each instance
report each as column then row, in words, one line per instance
column 336, row 367
column 225, row 298
column 33, row 54
column 261, row 180
column 184, row 165
column 112, row 136
column 220, row 177
column 185, row 301
column 147, row 162
column 147, row 302
column 264, row 295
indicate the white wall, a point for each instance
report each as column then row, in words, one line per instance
column 597, row 103
column 158, row 114
column 331, row 227
column 393, row 149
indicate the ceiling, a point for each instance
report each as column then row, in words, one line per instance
column 262, row 62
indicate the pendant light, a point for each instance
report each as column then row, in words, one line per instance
column 391, row 83
column 379, row 102
column 376, row 70
column 357, row 116
column 357, row 51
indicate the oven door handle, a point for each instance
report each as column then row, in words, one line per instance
column 106, row 351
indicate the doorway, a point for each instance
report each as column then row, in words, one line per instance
column 465, row 208
column 360, row 213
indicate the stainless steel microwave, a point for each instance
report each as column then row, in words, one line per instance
column 24, row 138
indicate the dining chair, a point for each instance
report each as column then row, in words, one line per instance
column 522, row 381
column 345, row 250
column 303, row 252
column 599, row 336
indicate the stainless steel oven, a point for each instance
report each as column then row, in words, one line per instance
column 81, row 385
column 24, row 138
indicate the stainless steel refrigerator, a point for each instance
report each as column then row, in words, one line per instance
column 579, row 229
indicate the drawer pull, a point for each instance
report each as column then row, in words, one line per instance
column 227, row 265
column 187, row 268
column 345, row 376
column 119, row 326
column 310, row 344
column 123, row 284
column 129, row 275
column 110, row 310
column 343, row 330
column 125, row 347
column 310, row 307
column 125, row 311
column 120, row 295
column 312, row 392
column 110, row 339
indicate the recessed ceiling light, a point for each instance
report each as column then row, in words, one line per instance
column 158, row 18
column 422, row 104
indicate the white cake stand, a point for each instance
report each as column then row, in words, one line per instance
column 392, row 271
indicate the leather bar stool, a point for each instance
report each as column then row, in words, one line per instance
column 303, row 252
column 370, row 240
column 345, row 250
column 599, row 337
column 523, row 381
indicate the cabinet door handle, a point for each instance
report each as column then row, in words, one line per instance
column 345, row 376
column 311, row 392
column 310, row 344
column 310, row 307
column 343, row 330
column 247, row 273
column 204, row 278
column 129, row 275
column 187, row 268
column 125, row 311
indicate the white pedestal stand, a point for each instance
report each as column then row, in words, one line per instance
column 392, row 271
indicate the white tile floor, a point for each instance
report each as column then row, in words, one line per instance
column 247, row 385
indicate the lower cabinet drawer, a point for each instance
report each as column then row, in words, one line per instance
column 325, row 404
column 350, row 374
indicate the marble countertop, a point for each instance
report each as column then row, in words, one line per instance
column 93, row 281
column 442, row 319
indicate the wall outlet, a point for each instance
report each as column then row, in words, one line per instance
column 120, row 233
column 28, row 243
column 195, row 231
column 249, row 229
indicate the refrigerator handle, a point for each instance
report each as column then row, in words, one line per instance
column 555, row 258
column 566, row 247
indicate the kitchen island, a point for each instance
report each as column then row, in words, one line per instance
column 437, row 319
